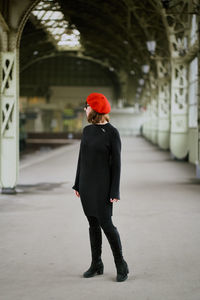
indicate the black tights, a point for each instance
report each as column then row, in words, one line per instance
column 106, row 224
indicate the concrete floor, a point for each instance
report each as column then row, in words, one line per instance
column 44, row 240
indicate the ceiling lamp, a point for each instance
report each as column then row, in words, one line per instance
column 141, row 81
column 145, row 69
column 151, row 46
column 139, row 89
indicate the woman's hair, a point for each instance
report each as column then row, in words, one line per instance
column 95, row 117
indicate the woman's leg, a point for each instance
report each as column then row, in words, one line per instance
column 113, row 237
column 96, row 248
column 95, row 237
column 93, row 221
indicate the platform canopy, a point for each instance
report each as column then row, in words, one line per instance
column 125, row 36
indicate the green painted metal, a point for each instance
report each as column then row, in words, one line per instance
column 9, row 121
column 163, row 104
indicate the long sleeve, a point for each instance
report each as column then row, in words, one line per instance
column 76, row 184
column 115, row 165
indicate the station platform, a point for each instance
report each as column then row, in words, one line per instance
column 44, row 239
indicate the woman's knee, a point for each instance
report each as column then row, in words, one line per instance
column 93, row 221
column 107, row 225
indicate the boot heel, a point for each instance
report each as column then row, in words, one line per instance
column 100, row 271
column 127, row 269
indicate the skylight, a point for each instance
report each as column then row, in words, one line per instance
column 49, row 15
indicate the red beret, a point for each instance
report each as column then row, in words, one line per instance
column 99, row 103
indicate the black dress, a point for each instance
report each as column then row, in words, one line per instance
column 98, row 169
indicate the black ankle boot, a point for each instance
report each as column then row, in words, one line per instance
column 96, row 267
column 122, row 270
column 115, row 244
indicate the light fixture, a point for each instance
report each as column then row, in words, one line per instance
column 151, row 46
column 111, row 69
column 145, row 69
column 141, row 81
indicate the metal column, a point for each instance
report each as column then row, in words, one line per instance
column 9, row 106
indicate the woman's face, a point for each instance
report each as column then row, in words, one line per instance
column 87, row 109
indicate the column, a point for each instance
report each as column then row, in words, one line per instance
column 198, row 143
column 179, row 102
column 154, row 109
column 163, row 104
column 9, row 136
column 147, row 118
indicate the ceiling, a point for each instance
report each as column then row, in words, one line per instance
column 112, row 33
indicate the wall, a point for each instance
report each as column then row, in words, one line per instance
column 76, row 95
column 127, row 121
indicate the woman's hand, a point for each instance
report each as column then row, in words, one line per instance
column 114, row 200
column 77, row 193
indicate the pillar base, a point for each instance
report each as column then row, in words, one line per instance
column 9, row 191
column 174, row 157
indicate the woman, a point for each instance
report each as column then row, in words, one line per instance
column 97, row 183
